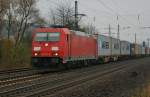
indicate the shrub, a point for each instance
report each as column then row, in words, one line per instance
column 13, row 57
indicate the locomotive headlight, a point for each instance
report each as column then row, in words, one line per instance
column 56, row 54
column 37, row 48
column 46, row 44
column 55, row 48
column 35, row 54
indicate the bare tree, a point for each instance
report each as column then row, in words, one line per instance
column 24, row 14
column 9, row 16
column 18, row 14
column 63, row 14
column 52, row 17
column 40, row 21
column 3, row 7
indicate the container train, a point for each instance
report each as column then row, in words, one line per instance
column 61, row 47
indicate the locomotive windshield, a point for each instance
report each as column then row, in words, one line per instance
column 41, row 37
column 53, row 36
column 44, row 36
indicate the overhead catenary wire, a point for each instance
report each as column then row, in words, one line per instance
column 116, row 13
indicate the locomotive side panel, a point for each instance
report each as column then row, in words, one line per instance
column 82, row 47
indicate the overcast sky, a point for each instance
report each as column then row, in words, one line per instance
column 106, row 12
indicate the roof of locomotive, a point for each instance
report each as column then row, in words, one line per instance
column 65, row 30
column 50, row 29
column 80, row 33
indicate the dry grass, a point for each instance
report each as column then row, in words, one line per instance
column 143, row 91
column 12, row 57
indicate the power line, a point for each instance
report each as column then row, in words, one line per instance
column 101, row 2
column 116, row 13
column 93, row 10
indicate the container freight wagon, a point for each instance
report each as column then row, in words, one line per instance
column 132, row 49
column 125, row 48
column 104, row 49
column 147, row 51
column 58, row 46
column 108, row 48
column 141, row 50
column 136, row 49
column 115, row 49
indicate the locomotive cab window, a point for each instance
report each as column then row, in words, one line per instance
column 40, row 37
column 54, row 36
column 45, row 36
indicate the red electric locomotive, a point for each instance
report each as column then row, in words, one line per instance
column 53, row 47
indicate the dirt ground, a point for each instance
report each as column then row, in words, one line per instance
column 134, row 82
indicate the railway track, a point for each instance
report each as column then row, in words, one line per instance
column 70, row 84
column 14, row 81
column 11, row 78
column 12, row 74
column 49, row 84
column 19, row 73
